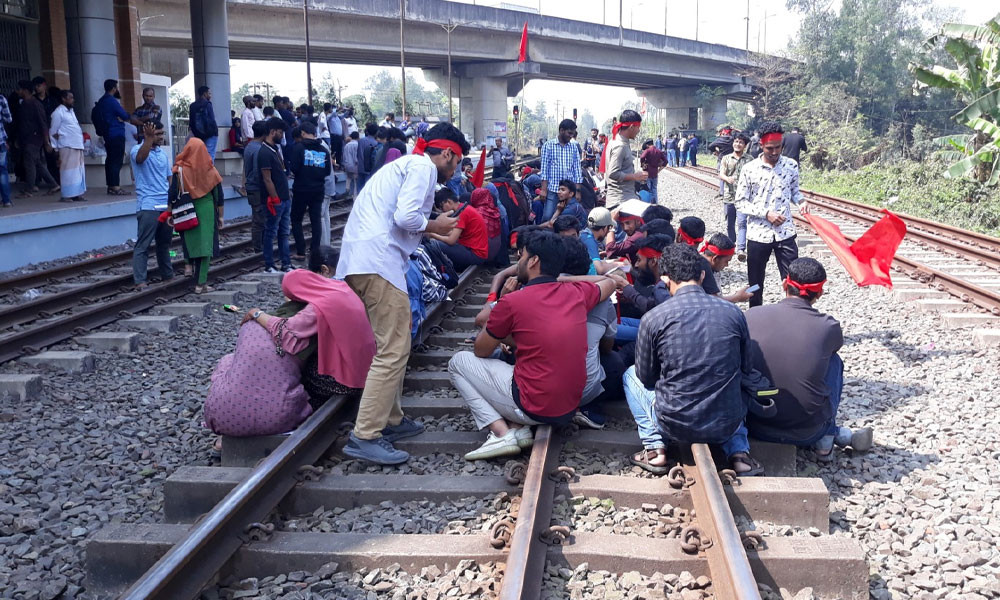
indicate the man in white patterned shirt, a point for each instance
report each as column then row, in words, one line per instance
column 767, row 189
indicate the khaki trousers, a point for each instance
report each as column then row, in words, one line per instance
column 388, row 311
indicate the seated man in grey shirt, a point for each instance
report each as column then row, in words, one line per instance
column 795, row 346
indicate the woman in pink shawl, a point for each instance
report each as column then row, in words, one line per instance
column 316, row 345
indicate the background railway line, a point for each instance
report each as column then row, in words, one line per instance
column 954, row 271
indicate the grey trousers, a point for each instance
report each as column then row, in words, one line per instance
column 485, row 386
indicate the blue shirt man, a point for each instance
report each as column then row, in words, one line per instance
column 151, row 178
column 151, row 170
column 560, row 160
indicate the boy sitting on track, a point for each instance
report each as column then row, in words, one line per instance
column 717, row 252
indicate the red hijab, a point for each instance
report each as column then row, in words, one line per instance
column 346, row 341
column 482, row 201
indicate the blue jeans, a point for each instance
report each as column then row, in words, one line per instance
column 278, row 225
column 362, row 180
column 671, row 158
column 683, row 156
column 834, row 381
column 741, row 231
column 722, row 184
column 211, row 144
column 4, row 175
column 551, row 200
column 628, row 330
column 651, row 182
column 640, row 401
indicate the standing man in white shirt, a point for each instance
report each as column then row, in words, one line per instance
column 386, row 224
column 247, row 118
column 322, row 127
column 767, row 189
column 258, row 108
column 68, row 140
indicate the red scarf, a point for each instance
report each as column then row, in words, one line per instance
column 690, row 241
column 423, row 144
column 805, row 288
column 614, row 135
column 482, row 201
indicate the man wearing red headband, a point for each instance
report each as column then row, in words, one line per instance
column 768, row 188
column 389, row 217
column 619, row 163
column 796, row 346
column 717, row 252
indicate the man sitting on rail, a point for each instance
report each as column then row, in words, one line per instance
column 693, row 350
column 804, row 367
column 545, row 323
column 717, row 252
column 468, row 243
column 647, row 290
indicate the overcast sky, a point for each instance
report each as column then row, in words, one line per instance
column 715, row 21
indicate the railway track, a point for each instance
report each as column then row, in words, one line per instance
column 948, row 260
column 93, row 293
column 571, row 510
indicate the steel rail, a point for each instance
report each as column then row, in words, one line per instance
column 525, row 568
column 732, row 577
column 966, row 291
column 969, row 244
column 191, row 563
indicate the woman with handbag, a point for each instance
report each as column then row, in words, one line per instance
column 195, row 192
column 317, row 344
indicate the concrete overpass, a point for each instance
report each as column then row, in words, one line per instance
column 667, row 70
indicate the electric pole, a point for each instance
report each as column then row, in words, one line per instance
column 748, row 27
column 449, row 28
column 402, row 52
column 309, row 82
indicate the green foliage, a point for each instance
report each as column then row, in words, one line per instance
column 975, row 51
column 385, row 94
column 362, row 111
column 180, row 105
column 837, row 133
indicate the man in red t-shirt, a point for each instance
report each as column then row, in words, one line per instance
column 545, row 322
column 468, row 243
column 652, row 161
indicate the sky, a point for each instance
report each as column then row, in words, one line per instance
column 772, row 25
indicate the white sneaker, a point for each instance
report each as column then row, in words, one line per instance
column 524, row 437
column 495, row 447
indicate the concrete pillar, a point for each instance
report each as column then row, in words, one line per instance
column 52, row 28
column 489, row 106
column 170, row 62
column 466, row 120
column 210, row 38
column 713, row 113
column 91, row 53
column 127, row 42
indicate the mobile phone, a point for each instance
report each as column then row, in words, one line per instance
column 231, row 308
column 753, row 289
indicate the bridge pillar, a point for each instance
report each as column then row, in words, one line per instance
column 91, row 53
column 684, row 110
column 210, row 36
column 489, row 109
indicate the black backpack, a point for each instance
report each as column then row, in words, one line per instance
column 100, row 125
column 442, row 263
column 588, row 195
column 514, row 201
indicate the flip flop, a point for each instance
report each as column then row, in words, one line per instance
column 642, row 460
column 745, row 459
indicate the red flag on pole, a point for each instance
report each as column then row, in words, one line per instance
column 480, row 174
column 522, row 54
column 868, row 259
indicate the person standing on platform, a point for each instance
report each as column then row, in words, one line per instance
column 560, row 160
column 793, row 145
column 620, row 166
column 336, row 128
column 5, row 119
column 33, row 140
column 254, row 188
column 322, row 127
column 350, row 164
column 384, row 228
column 151, row 170
column 274, row 183
column 653, row 161
column 203, row 125
column 309, row 160
column 767, row 189
column 68, row 138
column 248, row 118
column 149, row 111
column 729, row 172
column 196, row 175
column 366, row 158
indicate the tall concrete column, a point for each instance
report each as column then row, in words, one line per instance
column 713, row 114
column 52, row 29
column 466, row 116
column 90, row 36
column 210, row 38
column 489, row 106
column 127, row 41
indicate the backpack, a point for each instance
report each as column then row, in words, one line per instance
column 442, row 263
column 514, row 201
column 97, row 118
column 588, row 194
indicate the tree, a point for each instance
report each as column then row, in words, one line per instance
column 975, row 50
column 180, row 105
column 774, row 81
column 362, row 111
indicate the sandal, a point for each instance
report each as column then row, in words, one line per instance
column 202, row 289
column 645, row 457
column 118, row 192
column 752, row 468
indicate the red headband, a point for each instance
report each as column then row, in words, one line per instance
column 422, row 144
column 805, row 288
column 626, row 217
column 618, row 126
column 690, row 241
column 770, row 137
column 716, row 250
column 648, row 252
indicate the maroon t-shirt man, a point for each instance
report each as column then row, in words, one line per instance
column 548, row 322
column 652, row 159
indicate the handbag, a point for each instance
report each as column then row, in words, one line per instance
column 182, row 211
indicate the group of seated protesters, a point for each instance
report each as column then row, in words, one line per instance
column 692, row 367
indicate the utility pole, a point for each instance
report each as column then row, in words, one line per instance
column 665, row 5
column 449, row 28
column 621, row 33
column 748, row 27
column 697, row 18
column 402, row 52
column 309, row 81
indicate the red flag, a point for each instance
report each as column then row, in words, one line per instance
column 522, row 54
column 868, row 259
column 480, row 174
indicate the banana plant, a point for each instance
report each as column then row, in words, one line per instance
column 976, row 81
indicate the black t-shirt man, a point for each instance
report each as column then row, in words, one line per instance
column 268, row 158
column 792, row 145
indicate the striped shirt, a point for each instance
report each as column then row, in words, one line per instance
column 560, row 161
column 5, row 117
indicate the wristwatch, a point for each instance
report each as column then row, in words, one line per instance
column 256, row 314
